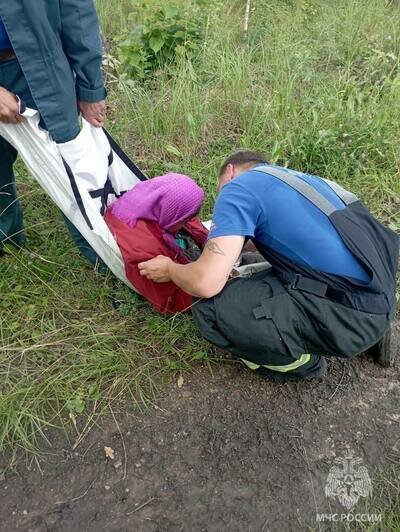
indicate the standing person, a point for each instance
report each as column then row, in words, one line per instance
column 332, row 288
column 50, row 59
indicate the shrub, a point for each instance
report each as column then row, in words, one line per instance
column 164, row 33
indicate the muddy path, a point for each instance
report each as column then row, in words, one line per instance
column 228, row 451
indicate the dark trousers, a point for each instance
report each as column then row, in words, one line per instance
column 11, row 218
column 264, row 322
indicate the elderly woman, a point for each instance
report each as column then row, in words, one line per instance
column 158, row 217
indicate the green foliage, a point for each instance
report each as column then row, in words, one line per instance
column 166, row 31
column 313, row 83
column 71, row 341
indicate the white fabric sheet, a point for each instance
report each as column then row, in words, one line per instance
column 88, row 158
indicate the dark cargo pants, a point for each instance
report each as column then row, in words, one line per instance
column 11, row 218
column 264, row 322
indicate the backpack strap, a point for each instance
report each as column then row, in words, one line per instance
column 346, row 196
column 308, row 191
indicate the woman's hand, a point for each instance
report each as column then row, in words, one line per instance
column 157, row 270
column 9, row 107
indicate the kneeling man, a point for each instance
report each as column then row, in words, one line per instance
column 330, row 291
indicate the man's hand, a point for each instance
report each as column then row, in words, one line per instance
column 93, row 112
column 9, row 107
column 158, row 269
column 205, row 277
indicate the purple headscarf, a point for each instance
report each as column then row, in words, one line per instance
column 167, row 200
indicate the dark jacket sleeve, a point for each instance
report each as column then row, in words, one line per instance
column 82, row 46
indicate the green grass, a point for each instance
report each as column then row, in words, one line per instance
column 72, row 341
column 386, row 502
column 315, row 84
column 316, row 88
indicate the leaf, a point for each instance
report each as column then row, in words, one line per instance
column 109, row 453
column 180, row 50
column 174, row 150
column 170, row 11
column 179, row 34
column 76, row 405
column 94, row 392
column 134, row 59
column 199, row 356
column 156, row 42
column 137, row 31
column 181, row 380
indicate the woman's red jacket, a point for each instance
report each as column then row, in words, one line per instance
column 145, row 242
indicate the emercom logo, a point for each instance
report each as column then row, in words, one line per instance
column 348, row 480
column 349, row 518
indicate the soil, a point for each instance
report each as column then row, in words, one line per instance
column 225, row 451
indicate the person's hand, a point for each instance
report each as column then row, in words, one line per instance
column 93, row 112
column 9, row 108
column 156, row 269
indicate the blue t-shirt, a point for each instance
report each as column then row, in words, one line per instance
column 4, row 39
column 262, row 207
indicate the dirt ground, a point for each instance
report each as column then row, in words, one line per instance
column 228, row 451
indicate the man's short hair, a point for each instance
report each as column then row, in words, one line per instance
column 243, row 157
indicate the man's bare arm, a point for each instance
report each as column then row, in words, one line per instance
column 208, row 275
column 204, row 278
column 213, row 247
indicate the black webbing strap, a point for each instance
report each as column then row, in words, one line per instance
column 305, row 284
column 296, row 281
column 302, row 187
column 122, row 155
column 363, row 301
column 98, row 193
column 103, row 193
column 106, row 190
column 110, row 158
column 77, row 194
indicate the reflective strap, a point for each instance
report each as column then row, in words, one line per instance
column 290, row 367
column 282, row 369
column 302, row 187
column 346, row 196
column 250, row 365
